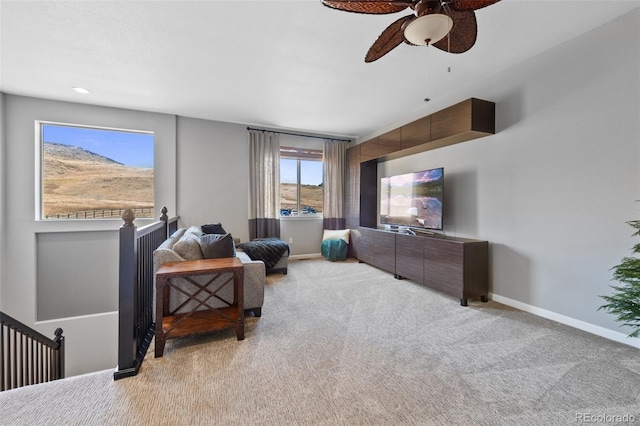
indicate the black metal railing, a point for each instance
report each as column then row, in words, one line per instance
column 27, row 356
column 135, row 301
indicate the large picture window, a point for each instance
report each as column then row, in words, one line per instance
column 300, row 181
column 95, row 173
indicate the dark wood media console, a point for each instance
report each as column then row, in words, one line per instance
column 456, row 266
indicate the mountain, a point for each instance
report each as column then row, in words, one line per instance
column 70, row 152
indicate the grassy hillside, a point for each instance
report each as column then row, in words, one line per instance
column 310, row 195
column 79, row 180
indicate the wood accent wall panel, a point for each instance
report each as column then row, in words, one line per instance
column 465, row 121
column 369, row 150
column 451, row 121
column 483, row 116
column 352, row 188
column 416, row 132
column 369, row 194
column 389, row 142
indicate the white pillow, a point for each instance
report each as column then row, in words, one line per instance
column 336, row 234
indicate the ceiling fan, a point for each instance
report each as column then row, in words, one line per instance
column 429, row 23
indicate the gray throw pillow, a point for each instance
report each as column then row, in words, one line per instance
column 213, row 228
column 215, row 246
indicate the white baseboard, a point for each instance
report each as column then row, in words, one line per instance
column 571, row 322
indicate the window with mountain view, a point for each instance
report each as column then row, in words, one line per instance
column 95, row 173
column 300, row 181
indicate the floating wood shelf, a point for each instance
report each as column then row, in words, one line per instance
column 465, row 121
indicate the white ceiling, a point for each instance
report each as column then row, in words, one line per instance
column 280, row 64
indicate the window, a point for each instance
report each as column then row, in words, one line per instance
column 94, row 173
column 300, row 181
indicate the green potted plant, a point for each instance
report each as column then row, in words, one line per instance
column 625, row 302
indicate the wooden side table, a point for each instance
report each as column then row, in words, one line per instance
column 170, row 325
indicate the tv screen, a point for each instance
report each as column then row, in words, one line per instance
column 413, row 199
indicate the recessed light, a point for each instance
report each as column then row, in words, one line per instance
column 81, row 90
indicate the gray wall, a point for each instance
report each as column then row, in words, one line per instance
column 304, row 235
column 213, row 181
column 2, row 192
column 553, row 188
column 90, row 338
column 213, row 175
column 65, row 290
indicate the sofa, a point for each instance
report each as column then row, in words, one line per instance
column 184, row 245
column 281, row 266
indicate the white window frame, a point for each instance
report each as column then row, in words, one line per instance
column 39, row 169
column 296, row 153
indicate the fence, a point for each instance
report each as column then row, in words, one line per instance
column 101, row 214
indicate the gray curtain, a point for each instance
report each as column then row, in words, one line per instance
column 264, row 184
column 334, row 164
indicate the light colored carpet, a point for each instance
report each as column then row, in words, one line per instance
column 346, row 344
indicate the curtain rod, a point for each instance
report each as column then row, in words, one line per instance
column 298, row 134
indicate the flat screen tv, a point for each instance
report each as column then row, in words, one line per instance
column 413, row 199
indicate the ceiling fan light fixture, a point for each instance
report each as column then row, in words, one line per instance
column 428, row 29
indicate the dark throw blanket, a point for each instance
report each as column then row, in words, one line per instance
column 269, row 250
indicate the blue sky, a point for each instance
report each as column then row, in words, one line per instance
column 310, row 172
column 129, row 148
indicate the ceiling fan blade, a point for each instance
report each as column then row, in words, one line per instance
column 463, row 34
column 371, row 7
column 471, row 4
column 391, row 37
